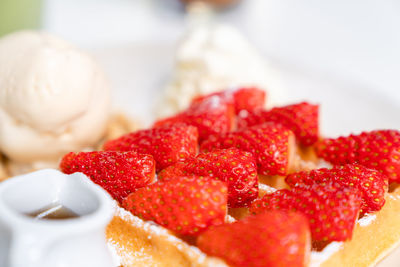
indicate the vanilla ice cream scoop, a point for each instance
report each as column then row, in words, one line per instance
column 53, row 98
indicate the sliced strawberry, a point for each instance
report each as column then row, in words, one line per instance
column 119, row 173
column 301, row 118
column 168, row 144
column 173, row 171
column 237, row 168
column 225, row 96
column 250, row 98
column 272, row 239
column 211, row 116
column 378, row 150
column 332, row 209
column 247, row 119
column 186, row 205
column 372, row 184
column 245, row 98
column 271, row 144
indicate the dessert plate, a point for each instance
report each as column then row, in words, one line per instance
column 139, row 72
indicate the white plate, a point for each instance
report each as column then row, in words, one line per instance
column 138, row 73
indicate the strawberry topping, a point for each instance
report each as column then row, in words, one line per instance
column 246, row 98
column 119, row 173
column 237, row 168
column 273, row 239
column 331, row 209
column 378, row 150
column 301, row 118
column 372, row 184
column 168, row 144
column 186, row 205
column 211, row 116
column 270, row 144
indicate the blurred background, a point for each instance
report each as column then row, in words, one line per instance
column 357, row 40
column 336, row 44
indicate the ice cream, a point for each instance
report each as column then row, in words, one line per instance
column 54, row 98
column 213, row 57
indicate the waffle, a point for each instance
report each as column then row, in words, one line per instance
column 139, row 243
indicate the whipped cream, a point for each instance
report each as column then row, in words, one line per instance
column 53, row 98
column 214, row 57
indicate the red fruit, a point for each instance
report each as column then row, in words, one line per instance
column 271, row 144
column 119, row 173
column 186, row 205
column 246, row 98
column 168, row 144
column 173, row 171
column 372, row 184
column 378, row 150
column 247, row 119
column 301, row 118
column 249, row 99
column 211, row 116
column 237, row 168
column 273, row 239
column 332, row 210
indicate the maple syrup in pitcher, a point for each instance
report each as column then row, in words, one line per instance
column 53, row 212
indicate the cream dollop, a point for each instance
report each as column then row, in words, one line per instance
column 54, row 98
column 213, row 57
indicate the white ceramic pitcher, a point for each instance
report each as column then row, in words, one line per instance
column 74, row 242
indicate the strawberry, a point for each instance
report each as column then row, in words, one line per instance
column 237, row 168
column 186, row 205
column 211, row 116
column 119, row 173
column 271, row 144
column 168, row 144
column 378, row 150
column 301, row 118
column 247, row 119
column 245, row 98
column 249, row 99
column 173, row 171
column 372, row 184
column 273, row 238
column 331, row 209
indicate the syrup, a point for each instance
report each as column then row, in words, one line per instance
column 53, row 212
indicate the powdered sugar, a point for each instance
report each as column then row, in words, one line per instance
column 366, row 220
column 318, row 257
column 154, row 230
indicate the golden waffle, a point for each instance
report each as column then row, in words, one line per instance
column 139, row 243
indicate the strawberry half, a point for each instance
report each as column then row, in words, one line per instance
column 245, row 98
column 119, row 173
column 168, row 144
column 211, row 116
column 378, row 150
column 271, row 144
column 186, row 205
column 301, row 118
column 332, row 210
column 237, row 168
column 273, row 239
column 372, row 184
